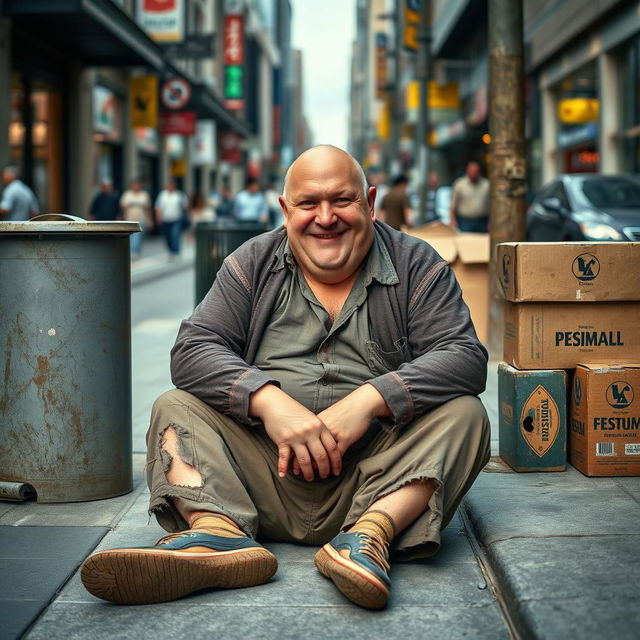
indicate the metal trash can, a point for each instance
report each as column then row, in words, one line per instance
column 65, row 357
column 214, row 242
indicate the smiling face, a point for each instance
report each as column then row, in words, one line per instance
column 328, row 216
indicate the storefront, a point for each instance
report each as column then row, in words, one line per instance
column 108, row 136
column 578, row 112
column 630, row 70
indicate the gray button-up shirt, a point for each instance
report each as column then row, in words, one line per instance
column 318, row 362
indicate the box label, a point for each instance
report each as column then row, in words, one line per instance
column 632, row 449
column 540, row 421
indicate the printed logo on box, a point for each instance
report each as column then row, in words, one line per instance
column 586, row 267
column 619, row 394
column 506, row 262
column 540, row 421
column 577, row 391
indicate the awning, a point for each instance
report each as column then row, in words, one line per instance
column 97, row 32
column 207, row 105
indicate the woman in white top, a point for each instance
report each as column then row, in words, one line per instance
column 136, row 206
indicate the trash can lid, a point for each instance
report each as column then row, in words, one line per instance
column 65, row 223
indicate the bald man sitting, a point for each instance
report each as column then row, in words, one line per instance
column 326, row 395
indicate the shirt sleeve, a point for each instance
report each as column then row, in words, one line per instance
column 7, row 202
column 206, row 359
column 449, row 359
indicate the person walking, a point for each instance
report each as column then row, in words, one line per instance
column 170, row 207
column 250, row 204
column 18, row 201
column 136, row 207
column 105, row 204
column 470, row 201
column 395, row 209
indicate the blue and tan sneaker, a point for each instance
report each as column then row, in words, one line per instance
column 213, row 553
column 357, row 560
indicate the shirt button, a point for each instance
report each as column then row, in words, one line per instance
column 324, row 381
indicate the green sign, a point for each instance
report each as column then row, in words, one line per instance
column 233, row 82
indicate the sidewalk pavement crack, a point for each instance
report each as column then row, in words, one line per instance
column 632, row 495
column 560, row 535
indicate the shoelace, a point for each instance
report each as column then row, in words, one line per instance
column 374, row 549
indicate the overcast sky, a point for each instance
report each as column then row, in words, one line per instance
column 324, row 30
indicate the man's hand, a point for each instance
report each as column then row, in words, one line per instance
column 295, row 429
column 349, row 418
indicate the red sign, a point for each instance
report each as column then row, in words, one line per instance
column 181, row 122
column 175, row 93
column 234, row 39
column 234, row 105
column 159, row 5
column 230, row 147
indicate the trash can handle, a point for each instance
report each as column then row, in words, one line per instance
column 63, row 217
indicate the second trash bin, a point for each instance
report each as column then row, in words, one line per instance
column 214, row 242
column 65, row 350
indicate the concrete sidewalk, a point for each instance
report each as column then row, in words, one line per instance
column 529, row 555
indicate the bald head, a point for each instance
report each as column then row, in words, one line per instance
column 324, row 157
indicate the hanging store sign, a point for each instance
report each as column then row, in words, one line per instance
column 180, row 122
column 381, row 65
column 233, row 87
column 143, row 101
column 411, row 24
column 230, row 148
column 163, row 20
column 234, row 39
column 203, row 143
column 578, row 135
column 195, row 47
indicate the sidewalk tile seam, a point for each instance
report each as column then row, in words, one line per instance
column 632, row 495
column 230, row 605
column 560, row 535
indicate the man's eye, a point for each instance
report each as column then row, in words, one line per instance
column 342, row 200
column 305, row 203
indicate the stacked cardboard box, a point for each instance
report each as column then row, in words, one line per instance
column 574, row 306
column 468, row 255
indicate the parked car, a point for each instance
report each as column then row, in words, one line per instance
column 586, row 207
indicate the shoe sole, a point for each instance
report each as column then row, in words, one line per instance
column 143, row 576
column 352, row 580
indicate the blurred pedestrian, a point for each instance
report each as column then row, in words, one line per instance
column 171, row 205
column 224, row 205
column 395, row 209
column 470, row 201
column 250, row 204
column 271, row 195
column 433, row 182
column 136, row 207
column 105, row 204
column 377, row 179
column 18, row 201
column 201, row 209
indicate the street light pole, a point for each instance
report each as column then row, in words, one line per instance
column 506, row 128
column 423, row 76
column 396, row 113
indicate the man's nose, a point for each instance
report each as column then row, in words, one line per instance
column 324, row 214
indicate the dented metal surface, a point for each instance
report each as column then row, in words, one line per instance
column 65, row 362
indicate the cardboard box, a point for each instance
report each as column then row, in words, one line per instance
column 468, row 255
column 558, row 335
column 532, row 418
column 569, row 271
column 604, row 439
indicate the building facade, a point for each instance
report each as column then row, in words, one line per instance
column 70, row 97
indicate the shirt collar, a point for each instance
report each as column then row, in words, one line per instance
column 377, row 263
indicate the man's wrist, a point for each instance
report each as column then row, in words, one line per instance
column 263, row 398
column 374, row 401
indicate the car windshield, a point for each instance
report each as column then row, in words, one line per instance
column 610, row 192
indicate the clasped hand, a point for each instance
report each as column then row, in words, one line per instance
column 315, row 441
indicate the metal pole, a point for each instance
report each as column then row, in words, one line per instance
column 423, row 75
column 506, row 127
column 396, row 113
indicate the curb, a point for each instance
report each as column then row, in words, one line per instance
column 494, row 574
column 160, row 270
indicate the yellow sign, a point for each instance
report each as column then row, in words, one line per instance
column 178, row 168
column 578, row 110
column 384, row 122
column 411, row 24
column 440, row 96
column 143, row 101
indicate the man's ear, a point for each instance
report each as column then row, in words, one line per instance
column 283, row 205
column 371, row 200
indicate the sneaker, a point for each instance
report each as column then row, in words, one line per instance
column 176, row 566
column 358, row 565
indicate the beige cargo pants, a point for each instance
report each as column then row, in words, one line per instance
column 238, row 466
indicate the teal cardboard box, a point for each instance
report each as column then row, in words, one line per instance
column 532, row 418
